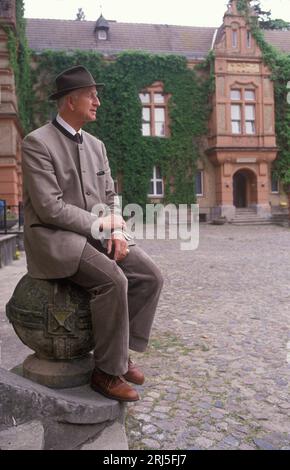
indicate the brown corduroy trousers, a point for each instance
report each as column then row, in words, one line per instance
column 123, row 303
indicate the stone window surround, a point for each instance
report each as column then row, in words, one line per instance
column 244, row 102
column 157, row 88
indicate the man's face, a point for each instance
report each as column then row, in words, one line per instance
column 86, row 103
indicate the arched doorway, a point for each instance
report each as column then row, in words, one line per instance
column 245, row 189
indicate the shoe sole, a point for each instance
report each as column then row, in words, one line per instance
column 97, row 389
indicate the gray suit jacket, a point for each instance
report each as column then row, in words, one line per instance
column 62, row 182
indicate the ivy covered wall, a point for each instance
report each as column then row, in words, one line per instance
column 19, row 55
column 279, row 64
column 119, row 118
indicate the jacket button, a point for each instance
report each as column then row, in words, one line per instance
column 88, row 193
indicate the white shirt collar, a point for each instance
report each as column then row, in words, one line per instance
column 64, row 124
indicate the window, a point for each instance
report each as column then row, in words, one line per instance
column 199, row 183
column 234, row 38
column 159, row 117
column 243, row 111
column 146, row 121
column 145, row 98
column 250, row 119
column 249, row 95
column 274, row 183
column 249, row 39
column 235, row 95
column 154, row 112
column 102, row 35
column 236, row 118
column 156, row 183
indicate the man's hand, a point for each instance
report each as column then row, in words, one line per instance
column 111, row 222
column 120, row 245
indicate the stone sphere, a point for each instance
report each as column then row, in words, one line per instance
column 52, row 318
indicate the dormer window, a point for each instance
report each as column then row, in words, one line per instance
column 102, row 29
column 102, row 35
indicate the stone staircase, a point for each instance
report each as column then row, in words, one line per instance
column 249, row 216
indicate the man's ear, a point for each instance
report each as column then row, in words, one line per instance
column 71, row 102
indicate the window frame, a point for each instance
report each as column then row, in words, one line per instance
column 156, row 180
column 235, row 39
column 249, row 39
column 158, row 89
column 239, row 121
column 201, row 172
column 277, row 191
column 244, row 102
column 102, row 35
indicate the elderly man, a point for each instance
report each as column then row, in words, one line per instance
column 66, row 173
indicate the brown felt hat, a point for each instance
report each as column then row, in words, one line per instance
column 73, row 79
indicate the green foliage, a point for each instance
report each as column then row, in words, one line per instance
column 80, row 15
column 275, row 24
column 242, row 6
column 19, row 55
column 279, row 65
column 119, row 119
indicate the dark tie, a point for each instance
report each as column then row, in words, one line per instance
column 78, row 138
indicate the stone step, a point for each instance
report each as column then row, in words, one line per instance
column 27, row 436
column 246, row 216
column 251, row 222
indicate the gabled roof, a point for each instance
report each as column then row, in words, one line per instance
column 189, row 41
column 192, row 42
column 102, row 23
column 279, row 39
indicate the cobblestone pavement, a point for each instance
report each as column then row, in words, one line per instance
column 217, row 375
column 217, row 370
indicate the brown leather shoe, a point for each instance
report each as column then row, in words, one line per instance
column 134, row 374
column 112, row 386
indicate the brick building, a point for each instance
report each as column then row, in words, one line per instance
column 10, row 129
column 235, row 169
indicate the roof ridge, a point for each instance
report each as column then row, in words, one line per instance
column 125, row 23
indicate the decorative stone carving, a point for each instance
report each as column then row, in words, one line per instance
column 53, row 319
column 243, row 67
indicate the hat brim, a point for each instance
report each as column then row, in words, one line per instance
column 59, row 94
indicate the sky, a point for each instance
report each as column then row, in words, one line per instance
column 183, row 12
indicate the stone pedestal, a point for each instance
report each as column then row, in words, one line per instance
column 58, row 374
column 53, row 318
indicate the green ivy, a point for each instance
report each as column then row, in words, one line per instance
column 279, row 64
column 119, row 119
column 242, row 6
column 19, row 56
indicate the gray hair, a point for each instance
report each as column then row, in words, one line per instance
column 62, row 100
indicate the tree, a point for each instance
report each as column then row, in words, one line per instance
column 265, row 20
column 80, row 15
